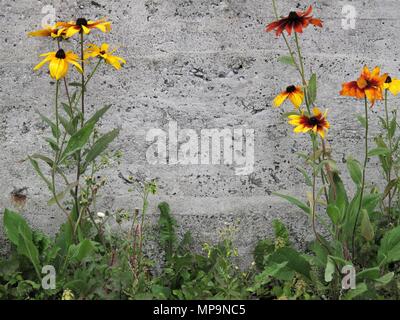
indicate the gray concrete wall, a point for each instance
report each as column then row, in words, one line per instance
column 204, row 64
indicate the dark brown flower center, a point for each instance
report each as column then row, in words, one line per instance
column 313, row 121
column 293, row 15
column 60, row 54
column 81, row 22
column 290, row 89
column 102, row 52
column 388, row 80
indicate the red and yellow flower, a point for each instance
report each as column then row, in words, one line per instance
column 316, row 122
column 293, row 93
column 296, row 21
column 84, row 26
column 59, row 62
column 369, row 85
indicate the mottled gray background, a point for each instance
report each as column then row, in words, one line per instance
column 205, row 64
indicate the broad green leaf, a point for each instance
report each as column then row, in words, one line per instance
column 354, row 170
column 312, row 89
column 12, row 221
column 98, row 114
column 100, row 145
column 287, row 60
column 367, row 230
column 68, row 126
column 294, row 201
column 82, row 250
column 53, row 144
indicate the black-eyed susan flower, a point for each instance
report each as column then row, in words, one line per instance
column 48, row 31
column 59, row 62
column 316, row 122
column 393, row 85
column 103, row 52
column 369, row 84
column 293, row 93
column 83, row 25
column 296, row 21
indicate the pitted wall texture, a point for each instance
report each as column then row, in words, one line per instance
column 204, row 64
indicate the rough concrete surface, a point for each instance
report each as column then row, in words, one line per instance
column 204, row 64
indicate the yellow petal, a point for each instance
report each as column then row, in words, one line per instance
column 296, row 98
column 280, row 99
column 394, row 87
column 40, row 64
column 85, row 29
column 71, row 31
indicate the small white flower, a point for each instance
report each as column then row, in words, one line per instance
column 101, row 215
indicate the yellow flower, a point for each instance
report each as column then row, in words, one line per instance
column 316, row 122
column 58, row 63
column 295, row 95
column 393, row 85
column 48, row 31
column 103, row 52
column 83, row 25
column 68, row 295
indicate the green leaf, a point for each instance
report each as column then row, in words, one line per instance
column 367, row 230
column 368, row 274
column 294, row 260
column 55, row 131
column 287, row 60
column 61, row 194
column 35, row 166
column 77, row 141
column 306, row 176
column 355, row 170
column 329, row 269
column 359, row 290
column 27, row 248
column 81, row 137
column 294, row 201
column 362, row 120
column 100, row 145
column 334, row 213
column 312, row 89
column 167, row 235
column 378, row 152
column 385, row 279
column 389, row 250
column 53, row 144
column 68, row 126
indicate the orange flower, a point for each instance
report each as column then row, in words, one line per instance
column 83, row 25
column 316, row 123
column 47, row 31
column 369, row 84
column 296, row 21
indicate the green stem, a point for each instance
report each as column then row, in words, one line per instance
column 362, row 181
column 78, row 164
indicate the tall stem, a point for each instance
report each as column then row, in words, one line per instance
column 389, row 175
column 57, row 112
column 363, row 179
